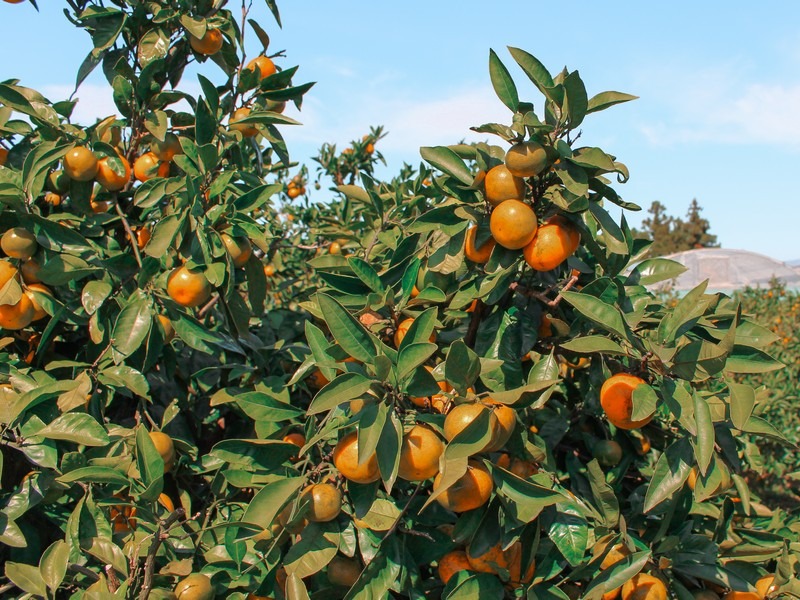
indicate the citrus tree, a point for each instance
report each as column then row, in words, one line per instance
column 450, row 384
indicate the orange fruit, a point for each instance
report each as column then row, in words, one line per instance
column 7, row 272
column 692, row 479
column 419, row 454
column 18, row 242
column 30, row 271
column 188, row 288
column 616, row 554
column 298, row 439
column 148, row 166
column 501, row 185
column 470, row 491
column 17, row 316
column 343, row 571
column 166, row 326
column 100, row 206
column 3, row 151
column 402, row 330
column 642, row 445
column 164, row 447
column 276, row 106
column 461, row 416
column 269, row 270
column 335, row 248
column 554, row 242
column 491, row 561
column 644, row 587
column 168, row 149
column 247, row 129
column 195, row 587
column 451, row 563
column 324, row 502
column 122, row 517
column 616, row 399
column 736, row 595
column 506, row 421
column 262, row 65
column 109, row 178
column 766, row 585
column 238, row 248
column 513, row 224
column 345, row 459
column 293, row 192
column 514, row 559
column 143, row 236
column 209, row 44
column 38, row 311
column 526, row 159
column 477, row 255
column 80, row 164
column 52, row 199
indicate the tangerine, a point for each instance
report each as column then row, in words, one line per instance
column 148, row 166
column 470, row 491
column 526, row 159
column 451, row 563
column 477, row 255
column 616, row 398
column 80, row 164
column 209, row 44
column 248, row 130
column 644, row 587
column 324, row 502
column 17, row 316
column 554, row 242
column 501, row 185
column 513, row 224
column 109, row 178
column 188, row 288
column 345, row 458
column 165, row 448
column 419, row 454
column 263, row 65
column 238, row 248
column 195, row 587
column 18, row 242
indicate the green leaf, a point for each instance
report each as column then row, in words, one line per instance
column 742, row 400
column 345, row 387
column 367, row 274
column 745, row 359
column 569, row 531
column 79, row 428
column 527, row 498
column 412, row 356
column 604, row 315
column 150, row 464
column 704, row 440
column 654, row 270
column 133, row 324
column 53, row 564
column 95, row 475
column 593, row 343
column 604, row 100
column 575, row 99
column 670, row 473
column 644, row 400
column 538, row 74
column 468, row 585
column 616, row 575
column 318, row 544
column 27, row 578
column 348, row 332
column 448, row 162
column 270, row 500
column 501, row 81
column 685, row 315
column 613, row 236
column 462, row 367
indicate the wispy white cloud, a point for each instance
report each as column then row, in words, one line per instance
column 719, row 105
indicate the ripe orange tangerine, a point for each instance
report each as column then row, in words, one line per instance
column 80, row 164
column 513, row 224
column 165, row 447
column 451, row 563
column 38, row 311
column 168, row 149
column 7, row 272
column 616, row 398
column 18, row 242
column 324, row 502
column 209, row 44
column 17, row 316
column 554, row 242
column 644, row 587
column 247, row 129
column 30, row 271
column 477, row 255
column 147, row 166
column 419, row 454
column 263, row 66
column 109, row 178
column 345, row 459
column 239, row 249
column 461, row 416
column 188, row 288
column 470, row 491
column 501, row 185
column 3, row 151
column 402, row 330
column 506, row 422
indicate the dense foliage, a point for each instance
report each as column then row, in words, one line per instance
column 442, row 385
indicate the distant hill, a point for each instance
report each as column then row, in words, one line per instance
column 793, row 263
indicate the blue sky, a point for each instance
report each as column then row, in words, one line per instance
column 718, row 117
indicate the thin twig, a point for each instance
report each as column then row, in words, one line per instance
column 209, row 305
column 113, row 580
column 131, row 236
column 150, row 562
column 403, row 512
column 84, row 571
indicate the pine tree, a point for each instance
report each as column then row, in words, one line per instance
column 671, row 234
